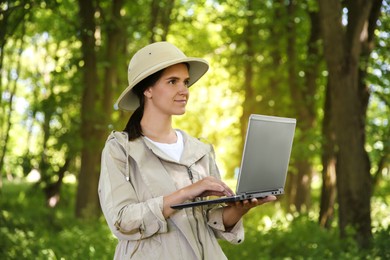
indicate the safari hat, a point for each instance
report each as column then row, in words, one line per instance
column 152, row 58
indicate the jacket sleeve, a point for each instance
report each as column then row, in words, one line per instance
column 127, row 217
column 214, row 215
column 235, row 235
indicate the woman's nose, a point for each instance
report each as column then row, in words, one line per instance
column 183, row 88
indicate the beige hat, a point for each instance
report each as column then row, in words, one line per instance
column 152, row 58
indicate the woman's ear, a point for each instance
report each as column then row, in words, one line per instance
column 148, row 93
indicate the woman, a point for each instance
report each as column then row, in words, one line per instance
column 150, row 166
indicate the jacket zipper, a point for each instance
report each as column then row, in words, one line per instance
column 191, row 176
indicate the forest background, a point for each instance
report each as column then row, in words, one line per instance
column 63, row 63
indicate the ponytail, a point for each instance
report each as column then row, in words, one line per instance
column 133, row 127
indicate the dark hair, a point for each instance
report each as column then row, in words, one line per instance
column 133, row 127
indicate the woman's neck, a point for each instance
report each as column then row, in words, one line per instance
column 158, row 129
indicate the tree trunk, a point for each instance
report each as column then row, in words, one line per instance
column 278, row 31
column 166, row 18
column 342, row 48
column 96, row 104
column 160, row 12
column 87, row 204
column 368, row 45
column 115, row 38
column 154, row 8
column 328, row 191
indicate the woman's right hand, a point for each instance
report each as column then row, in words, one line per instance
column 208, row 186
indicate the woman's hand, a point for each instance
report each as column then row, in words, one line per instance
column 246, row 205
column 235, row 210
column 209, row 186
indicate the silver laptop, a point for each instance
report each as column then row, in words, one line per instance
column 264, row 162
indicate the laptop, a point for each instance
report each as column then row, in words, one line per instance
column 264, row 163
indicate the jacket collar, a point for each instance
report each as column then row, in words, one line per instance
column 193, row 148
column 152, row 167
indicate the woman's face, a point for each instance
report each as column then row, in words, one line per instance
column 170, row 94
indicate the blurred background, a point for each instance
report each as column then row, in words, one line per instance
column 326, row 63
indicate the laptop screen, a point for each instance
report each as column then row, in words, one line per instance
column 266, row 154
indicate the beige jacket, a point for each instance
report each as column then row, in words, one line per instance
column 134, row 178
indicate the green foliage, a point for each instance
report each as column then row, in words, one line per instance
column 30, row 230
column 287, row 237
column 50, row 87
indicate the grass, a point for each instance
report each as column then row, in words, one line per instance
column 30, row 230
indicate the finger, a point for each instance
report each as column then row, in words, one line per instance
column 229, row 191
column 212, row 193
column 221, row 186
column 267, row 199
column 256, row 202
column 238, row 204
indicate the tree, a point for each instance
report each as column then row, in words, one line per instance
column 328, row 158
column 87, row 204
column 97, row 97
column 343, row 50
column 160, row 13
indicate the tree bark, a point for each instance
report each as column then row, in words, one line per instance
column 115, row 38
column 97, row 99
column 328, row 190
column 342, row 48
column 87, row 204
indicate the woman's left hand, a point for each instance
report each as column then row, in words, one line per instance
column 248, row 204
column 235, row 210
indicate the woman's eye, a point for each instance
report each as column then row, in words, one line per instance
column 175, row 81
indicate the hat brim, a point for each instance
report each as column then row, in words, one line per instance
column 128, row 101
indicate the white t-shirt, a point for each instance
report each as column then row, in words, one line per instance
column 174, row 150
